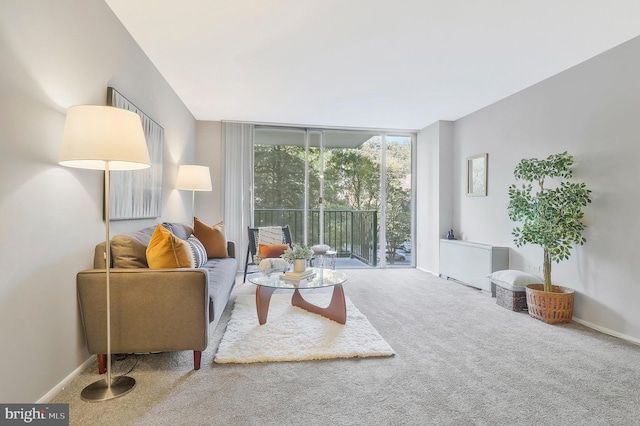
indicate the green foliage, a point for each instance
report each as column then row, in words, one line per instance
column 299, row 251
column 279, row 177
column 398, row 211
column 398, row 219
column 352, row 180
column 550, row 217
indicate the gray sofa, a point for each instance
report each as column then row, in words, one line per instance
column 152, row 310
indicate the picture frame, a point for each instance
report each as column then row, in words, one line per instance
column 477, row 175
column 137, row 194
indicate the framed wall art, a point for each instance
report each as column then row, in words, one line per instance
column 477, row 175
column 137, row 194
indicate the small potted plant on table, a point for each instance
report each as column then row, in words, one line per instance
column 298, row 254
column 552, row 219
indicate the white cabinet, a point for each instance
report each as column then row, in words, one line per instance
column 471, row 262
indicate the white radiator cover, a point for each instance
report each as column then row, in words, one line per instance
column 471, row 262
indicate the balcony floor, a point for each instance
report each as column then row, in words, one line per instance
column 353, row 263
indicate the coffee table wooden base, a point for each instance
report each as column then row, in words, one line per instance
column 263, row 297
column 336, row 311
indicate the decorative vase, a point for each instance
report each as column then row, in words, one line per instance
column 552, row 307
column 299, row 265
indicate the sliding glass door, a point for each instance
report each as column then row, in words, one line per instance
column 348, row 189
column 398, row 196
column 352, row 194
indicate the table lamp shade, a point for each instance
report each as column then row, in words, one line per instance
column 96, row 135
column 194, row 178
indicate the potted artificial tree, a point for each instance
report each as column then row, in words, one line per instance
column 552, row 219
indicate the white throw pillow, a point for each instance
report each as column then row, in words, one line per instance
column 512, row 278
column 273, row 264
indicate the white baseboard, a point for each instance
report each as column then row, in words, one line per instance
column 607, row 331
column 426, row 270
column 66, row 381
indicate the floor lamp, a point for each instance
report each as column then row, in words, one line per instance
column 193, row 178
column 104, row 138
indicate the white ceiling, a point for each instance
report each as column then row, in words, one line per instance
column 397, row 64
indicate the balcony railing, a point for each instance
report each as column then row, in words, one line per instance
column 352, row 233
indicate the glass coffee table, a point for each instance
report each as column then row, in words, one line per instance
column 266, row 284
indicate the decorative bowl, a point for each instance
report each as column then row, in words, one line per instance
column 320, row 249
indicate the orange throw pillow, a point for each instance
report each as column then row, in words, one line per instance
column 211, row 237
column 165, row 250
column 271, row 250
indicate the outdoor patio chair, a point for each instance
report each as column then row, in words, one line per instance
column 254, row 240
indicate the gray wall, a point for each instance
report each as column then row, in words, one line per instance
column 592, row 111
column 209, row 152
column 434, row 201
column 56, row 54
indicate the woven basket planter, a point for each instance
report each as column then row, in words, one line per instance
column 551, row 307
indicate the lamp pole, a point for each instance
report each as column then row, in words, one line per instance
column 105, row 389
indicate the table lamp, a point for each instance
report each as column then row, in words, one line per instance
column 193, row 178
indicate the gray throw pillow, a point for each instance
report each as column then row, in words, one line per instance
column 198, row 250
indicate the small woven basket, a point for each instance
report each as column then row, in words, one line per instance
column 551, row 307
column 513, row 300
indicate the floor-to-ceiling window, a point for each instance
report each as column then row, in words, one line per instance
column 349, row 189
column 398, row 199
column 279, row 173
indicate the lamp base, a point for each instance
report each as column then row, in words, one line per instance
column 100, row 391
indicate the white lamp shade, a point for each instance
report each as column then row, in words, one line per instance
column 194, row 178
column 96, row 135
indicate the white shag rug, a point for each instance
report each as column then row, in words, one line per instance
column 293, row 334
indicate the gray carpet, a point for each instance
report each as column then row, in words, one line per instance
column 460, row 360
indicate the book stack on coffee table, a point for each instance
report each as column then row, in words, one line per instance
column 298, row 276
